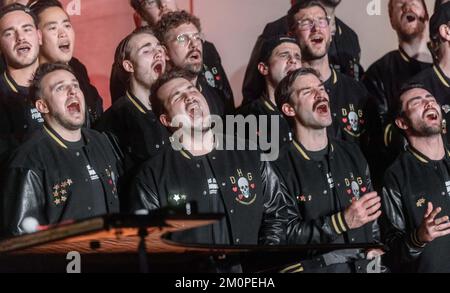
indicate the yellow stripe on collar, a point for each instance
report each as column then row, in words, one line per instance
column 135, row 103
column 269, row 106
column 301, row 151
column 11, row 85
column 58, row 141
column 404, row 57
column 418, row 157
column 335, row 78
column 185, row 154
column 387, row 135
column 439, row 75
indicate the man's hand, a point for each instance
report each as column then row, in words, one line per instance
column 432, row 228
column 363, row 211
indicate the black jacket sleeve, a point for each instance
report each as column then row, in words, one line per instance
column 23, row 196
column 402, row 242
column 253, row 85
column 144, row 195
column 278, row 208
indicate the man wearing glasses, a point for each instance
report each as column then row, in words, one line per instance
column 180, row 33
column 344, row 50
column 149, row 12
column 310, row 23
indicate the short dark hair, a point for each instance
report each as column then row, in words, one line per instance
column 136, row 5
column 173, row 20
column 39, row 6
column 41, row 72
column 300, row 6
column 123, row 51
column 327, row 3
column 155, row 101
column 18, row 7
column 397, row 110
column 284, row 89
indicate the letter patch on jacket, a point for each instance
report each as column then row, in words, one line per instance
column 353, row 120
column 243, row 187
column 355, row 187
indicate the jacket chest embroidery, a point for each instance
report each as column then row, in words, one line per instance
column 355, row 187
column 112, row 179
column 212, row 76
column 353, row 120
column 303, row 198
column 60, row 191
column 177, row 199
column 243, row 187
column 421, row 202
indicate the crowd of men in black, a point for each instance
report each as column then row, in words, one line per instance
column 363, row 156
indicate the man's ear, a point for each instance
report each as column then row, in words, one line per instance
column 288, row 110
column 128, row 66
column 401, row 123
column 444, row 31
column 42, row 107
column 263, row 69
column 164, row 119
column 166, row 52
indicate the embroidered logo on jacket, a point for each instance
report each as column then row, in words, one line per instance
column 177, row 199
column 112, row 179
column 353, row 120
column 355, row 187
column 211, row 75
column 60, row 191
column 244, row 187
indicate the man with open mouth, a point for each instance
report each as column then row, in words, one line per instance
column 344, row 54
column 141, row 60
column 64, row 172
column 180, row 32
column 328, row 179
column 19, row 44
column 310, row 23
column 149, row 12
column 437, row 78
column 58, row 43
column 416, row 188
column 280, row 56
column 198, row 169
column 384, row 78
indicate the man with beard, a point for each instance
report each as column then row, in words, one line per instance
column 141, row 60
column 344, row 53
column 197, row 168
column 416, row 189
column 310, row 23
column 58, row 43
column 180, row 32
column 279, row 56
column 19, row 43
column 328, row 180
column 149, row 13
column 384, row 78
column 63, row 172
column 437, row 78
